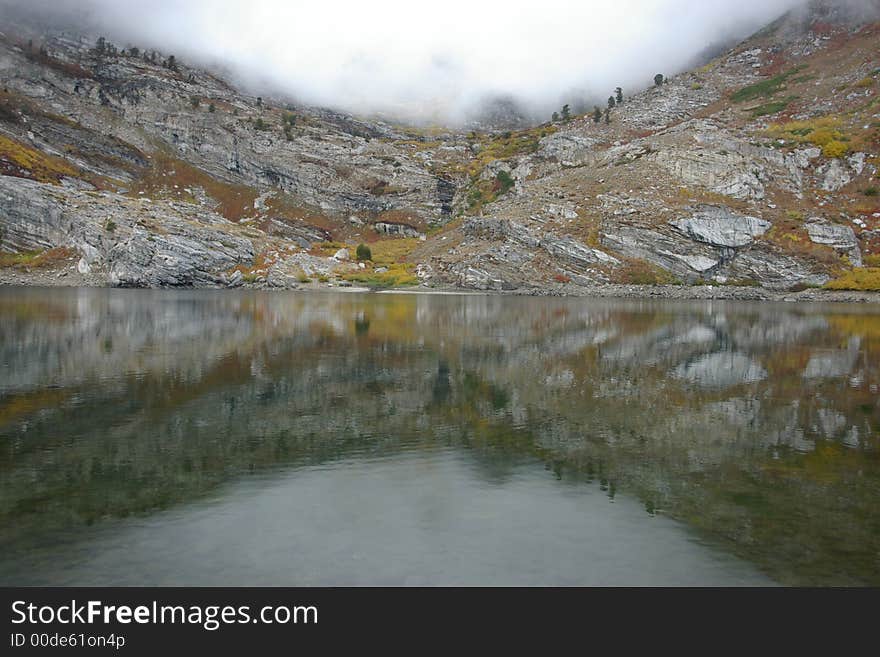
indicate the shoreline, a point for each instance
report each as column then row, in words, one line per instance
column 67, row 278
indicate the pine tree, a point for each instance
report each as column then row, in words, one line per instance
column 566, row 113
column 607, row 115
column 597, row 114
column 555, row 117
column 619, row 92
column 610, row 101
column 658, row 79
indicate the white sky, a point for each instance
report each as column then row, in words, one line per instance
column 435, row 57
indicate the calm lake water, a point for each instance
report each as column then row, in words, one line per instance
column 250, row 438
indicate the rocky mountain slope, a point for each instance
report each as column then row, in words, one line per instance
column 126, row 167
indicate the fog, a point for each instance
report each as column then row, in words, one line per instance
column 432, row 61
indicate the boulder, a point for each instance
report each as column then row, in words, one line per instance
column 721, row 227
column 838, row 237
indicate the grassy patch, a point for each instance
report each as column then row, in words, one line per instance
column 38, row 259
column 773, row 107
column 399, row 275
column 329, row 249
column 824, row 132
column 765, row 88
column 259, row 267
column 389, row 252
column 641, row 272
column 170, row 177
column 861, row 279
column 20, row 160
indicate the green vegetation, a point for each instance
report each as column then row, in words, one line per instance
column 392, row 251
column 765, row 88
column 773, row 107
column 505, row 182
column 37, row 259
column 485, row 192
column 659, row 79
column 399, row 275
column 824, row 132
column 363, row 252
column 860, row 279
column 18, row 159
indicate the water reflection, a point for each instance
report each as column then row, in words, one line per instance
column 137, row 424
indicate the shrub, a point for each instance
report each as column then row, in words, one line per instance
column 860, row 279
column 658, row 79
column 110, row 226
column 195, row 102
column 823, row 132
column 835, row 148
column 872, row 191
column 504, row 182
column 363, row 252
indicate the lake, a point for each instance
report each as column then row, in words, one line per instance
column 284, row 438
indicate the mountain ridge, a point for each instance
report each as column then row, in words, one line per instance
column 756, row 171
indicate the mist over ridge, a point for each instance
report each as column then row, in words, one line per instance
column 397, row 59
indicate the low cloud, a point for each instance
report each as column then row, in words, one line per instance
column 432, row 61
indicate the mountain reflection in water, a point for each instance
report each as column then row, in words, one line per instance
column 282, row 438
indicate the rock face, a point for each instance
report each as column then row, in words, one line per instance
column 722, row 228
column 399, row 230
column 110, row 232
column 838, row 237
